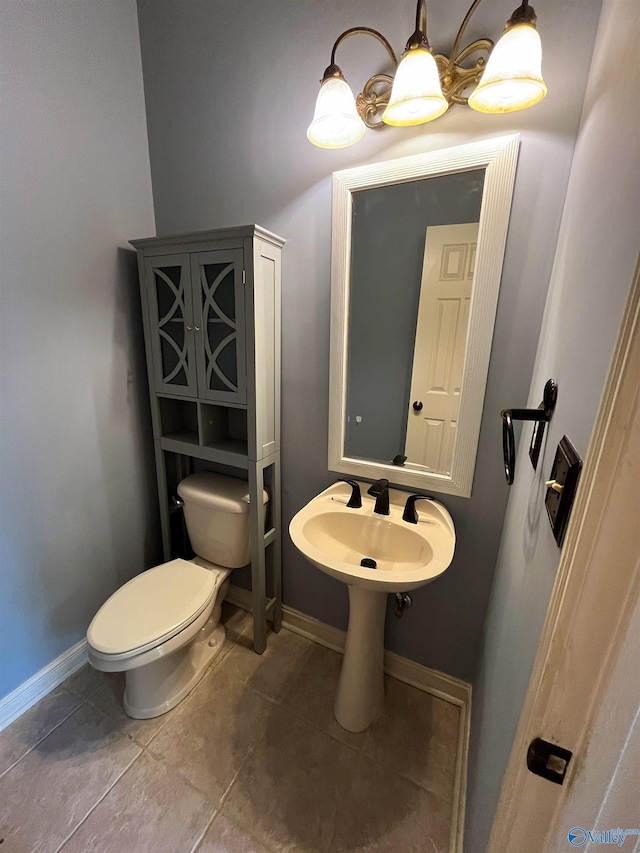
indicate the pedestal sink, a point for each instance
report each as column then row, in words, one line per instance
column 336, row 539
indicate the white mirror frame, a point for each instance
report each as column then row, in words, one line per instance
column 499, row 157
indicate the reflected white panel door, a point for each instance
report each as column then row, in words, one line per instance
column 441, row 337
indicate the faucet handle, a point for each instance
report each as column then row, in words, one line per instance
column 410, row 513
column 355, row 501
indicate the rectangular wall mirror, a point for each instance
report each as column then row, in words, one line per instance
column 417, row 252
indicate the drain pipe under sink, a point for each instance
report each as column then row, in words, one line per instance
column 403, row 600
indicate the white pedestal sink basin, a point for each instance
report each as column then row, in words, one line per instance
column 336, row 538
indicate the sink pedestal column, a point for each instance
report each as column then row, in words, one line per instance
column 360, row 694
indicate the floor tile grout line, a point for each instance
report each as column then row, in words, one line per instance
column 218, row 810
column 174, row 769
column 171, row 768
column 112, row 718
column 97, row 803
column 239, row 825
column 83, row 696
column 199, row 841
column 385, row 766
column 50, row 732
column 250, row 752
column 292, row 711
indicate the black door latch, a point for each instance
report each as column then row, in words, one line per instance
column 548, row 760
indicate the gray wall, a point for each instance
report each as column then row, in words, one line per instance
column 388, row 231
column 595, row 259
column 77, row 513
column 230, row 89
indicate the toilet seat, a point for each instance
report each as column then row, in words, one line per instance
column 152, row 608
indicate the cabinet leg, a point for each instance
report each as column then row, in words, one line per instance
column 258, row 580
column 277, row 545
column 163, row 497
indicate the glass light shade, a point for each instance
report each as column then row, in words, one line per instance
column 512, row 79
column 336, row 122
column 416, row 96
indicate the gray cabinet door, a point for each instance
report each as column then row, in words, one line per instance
column 219, row 317
column 169, row 294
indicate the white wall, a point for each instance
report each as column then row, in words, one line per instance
column 77, row 506
column 595, row 258
column 230, row 89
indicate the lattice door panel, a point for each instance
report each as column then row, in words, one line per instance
column 220, row 305
column 170, row 306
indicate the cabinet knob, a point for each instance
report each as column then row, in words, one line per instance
column 196, row 328
column 189, row 328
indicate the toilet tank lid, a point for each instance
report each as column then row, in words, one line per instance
column 225, row 494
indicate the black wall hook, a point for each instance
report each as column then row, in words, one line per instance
column 541, row 415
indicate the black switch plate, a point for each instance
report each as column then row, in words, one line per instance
column 564, row 476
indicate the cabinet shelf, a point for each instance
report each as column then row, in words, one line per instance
column 228, row 452
column 183, row 436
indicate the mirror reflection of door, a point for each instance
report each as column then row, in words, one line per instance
column 441, row 337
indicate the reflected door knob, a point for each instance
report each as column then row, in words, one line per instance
column 417, row 406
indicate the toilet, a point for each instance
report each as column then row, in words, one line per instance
column 162, row 628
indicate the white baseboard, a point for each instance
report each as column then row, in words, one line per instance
column 43, row 682
column 438, row 684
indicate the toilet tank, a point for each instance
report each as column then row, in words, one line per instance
column 216, row 512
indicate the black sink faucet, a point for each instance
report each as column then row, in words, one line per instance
column 355, row 501
column 410, row 513
column 380, row 491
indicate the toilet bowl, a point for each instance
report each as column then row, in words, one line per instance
column 162, row 628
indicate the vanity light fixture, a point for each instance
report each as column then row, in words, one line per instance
column 507, row 77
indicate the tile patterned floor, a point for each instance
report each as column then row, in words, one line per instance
column 252, row 761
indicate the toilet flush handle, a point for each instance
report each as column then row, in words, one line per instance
column 178, row 503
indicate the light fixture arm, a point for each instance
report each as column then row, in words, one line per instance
column 421, row 16
column 419, row 37
column 463, row 27
column 455, row 76
column 370, row 102
column 364, row 31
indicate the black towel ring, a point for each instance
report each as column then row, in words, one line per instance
column 542, row 415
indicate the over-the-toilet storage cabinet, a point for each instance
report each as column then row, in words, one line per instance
column 211, row 312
